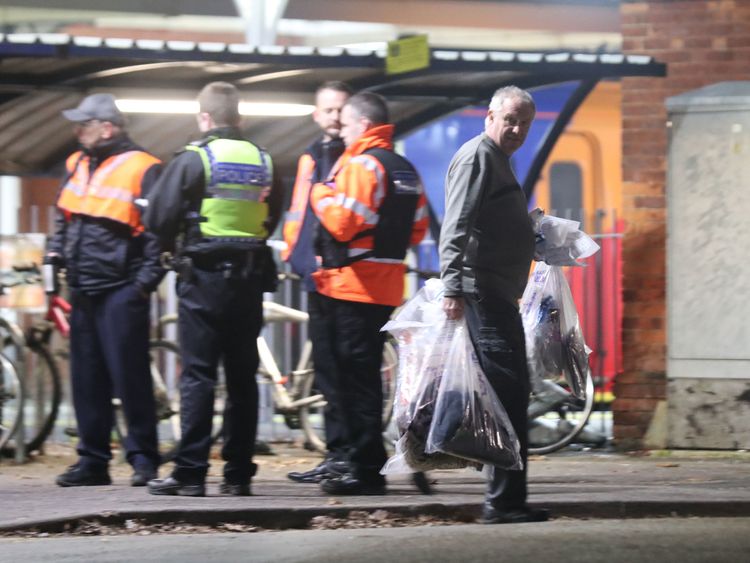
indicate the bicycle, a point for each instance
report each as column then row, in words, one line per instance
column 293, row 394
column 27, row 354
column 33, row 348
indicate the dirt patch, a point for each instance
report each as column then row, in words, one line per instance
column 356, row 519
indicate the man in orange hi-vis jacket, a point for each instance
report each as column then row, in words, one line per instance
column 112, row 266
column 371, row 209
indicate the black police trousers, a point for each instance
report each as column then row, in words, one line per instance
column 220, row 319
column 349, row 342
column 109, row 335
column 496, row 330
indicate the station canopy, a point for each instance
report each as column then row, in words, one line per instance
column 43, row 74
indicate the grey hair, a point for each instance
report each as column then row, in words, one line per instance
column 506, row 92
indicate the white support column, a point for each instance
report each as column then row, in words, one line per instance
column 10, row 203
column 261, row 19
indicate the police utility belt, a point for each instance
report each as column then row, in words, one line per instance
column 237, row 265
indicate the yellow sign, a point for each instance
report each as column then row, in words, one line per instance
column 408, row 54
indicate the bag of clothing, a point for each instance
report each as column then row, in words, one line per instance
column 554, row 341
column 426, row 341
column 469, row 421
column 422, row 334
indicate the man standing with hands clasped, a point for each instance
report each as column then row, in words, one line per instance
column 112, row 266
column 486, row 249
column 300, row 228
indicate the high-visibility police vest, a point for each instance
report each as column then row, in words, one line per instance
column 110, row 191
column 238, row 180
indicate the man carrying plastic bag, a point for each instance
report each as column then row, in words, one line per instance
column 486, row 249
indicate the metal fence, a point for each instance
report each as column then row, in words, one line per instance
column 596, row 290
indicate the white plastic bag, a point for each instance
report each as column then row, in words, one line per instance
column 554, row 340
column 560, row 242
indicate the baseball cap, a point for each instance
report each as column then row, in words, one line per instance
column 96, row 106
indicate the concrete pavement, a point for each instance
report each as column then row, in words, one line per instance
column 578, row 485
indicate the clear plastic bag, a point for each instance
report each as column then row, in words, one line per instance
column 426, row 340
column 468, row 420
column 554, row 340
column 423, row 335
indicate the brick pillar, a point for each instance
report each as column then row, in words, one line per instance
column 703, row 42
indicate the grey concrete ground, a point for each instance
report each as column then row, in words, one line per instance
column 583, row 485
column 664, row 540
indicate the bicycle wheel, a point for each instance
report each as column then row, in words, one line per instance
column 556, row 417
column 311, row 415
column 166, row 368
column 44, row 393
column 11, row 400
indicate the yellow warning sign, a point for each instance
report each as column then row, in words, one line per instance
column 407, row 54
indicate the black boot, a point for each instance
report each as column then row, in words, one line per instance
column 171, row 486
column 327, row 469
column 79, row 475
column 492, row 515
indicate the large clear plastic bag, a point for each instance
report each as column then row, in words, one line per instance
column 554, row 340
column 427, row 341
column 469, row 421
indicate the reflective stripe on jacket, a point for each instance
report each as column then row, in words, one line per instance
column 110, row 191
column 296, row 214
column 349, row 205
column 238, row 182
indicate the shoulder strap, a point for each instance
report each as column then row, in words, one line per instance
column 389, row 159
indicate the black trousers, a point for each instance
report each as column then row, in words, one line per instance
column 109, row 335
column 327, row 377
column 496, row 330
column 219, row 320
column 351, row 340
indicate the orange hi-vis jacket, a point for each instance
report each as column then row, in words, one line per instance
column 110, row 191
column 298, row 206
column 347, row 205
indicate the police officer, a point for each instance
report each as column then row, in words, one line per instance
column 112, row 266
column 219, row 195
column 300, row 227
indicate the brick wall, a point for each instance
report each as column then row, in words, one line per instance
column 703, row 42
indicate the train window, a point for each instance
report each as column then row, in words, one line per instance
column 566, row 190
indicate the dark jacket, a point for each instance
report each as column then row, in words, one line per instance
column 486, row 240
column 101, row 254
column 179, row 194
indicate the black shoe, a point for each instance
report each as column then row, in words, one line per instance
column 80, row 476
column 348, row 484
column 141, row 477
column 420, row 482
column 327, row 469
column 235, row 489
column 171, row 486
column 492, row 515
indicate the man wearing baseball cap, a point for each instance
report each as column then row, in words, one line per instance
column 112, row 265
